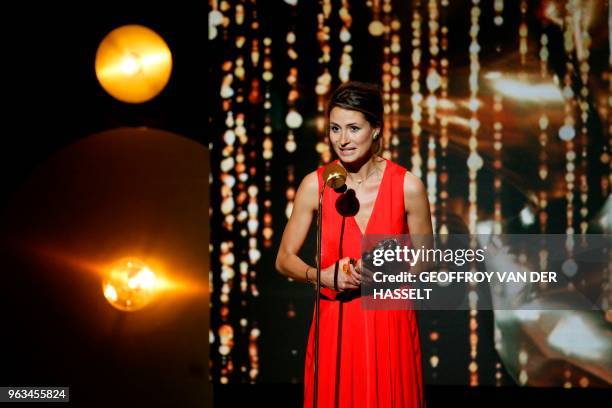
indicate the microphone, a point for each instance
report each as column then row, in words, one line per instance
column 334, row 176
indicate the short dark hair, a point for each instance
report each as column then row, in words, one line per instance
column 362, row 97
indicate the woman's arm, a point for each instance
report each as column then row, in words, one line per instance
column 304, row 205
column 288, row 262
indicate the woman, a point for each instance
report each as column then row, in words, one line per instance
column 367, row 358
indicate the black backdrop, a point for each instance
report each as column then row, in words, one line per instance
column 51, row 100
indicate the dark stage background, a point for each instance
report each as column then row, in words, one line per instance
column 85, row 178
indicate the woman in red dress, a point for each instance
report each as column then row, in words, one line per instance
column 367, row 358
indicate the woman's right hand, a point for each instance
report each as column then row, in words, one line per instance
column 348, row 278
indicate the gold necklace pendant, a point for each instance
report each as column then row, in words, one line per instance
column 359, row 182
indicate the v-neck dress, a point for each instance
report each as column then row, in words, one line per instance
column 367, row 358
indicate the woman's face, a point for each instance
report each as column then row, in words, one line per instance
column 350, row 134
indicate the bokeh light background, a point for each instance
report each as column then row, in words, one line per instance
column 501, row 107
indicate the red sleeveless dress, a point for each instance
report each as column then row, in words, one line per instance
column 367, row 358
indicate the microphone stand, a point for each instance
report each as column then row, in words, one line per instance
column 318, row 296
column 334, row 176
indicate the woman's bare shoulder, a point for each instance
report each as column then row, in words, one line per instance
column 311, row 180
column 413, row 186
column 310, row 183
column 309, row 190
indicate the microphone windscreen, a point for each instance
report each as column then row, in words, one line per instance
column 334, row 175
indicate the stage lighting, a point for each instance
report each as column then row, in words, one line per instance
column 525, row 90
column 376, row 28
column 527, row 216
column 133, row 63
column 130, row 285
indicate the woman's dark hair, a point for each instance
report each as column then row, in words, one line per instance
column 362, row 97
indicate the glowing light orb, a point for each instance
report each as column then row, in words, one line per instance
column 294, row 119
column 129, row 285
column 567, row 133
column 376, row 28
column 215, row 18
column 527, row 216
column 133, row 64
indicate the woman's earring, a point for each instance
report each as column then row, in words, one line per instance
column 375, row 136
